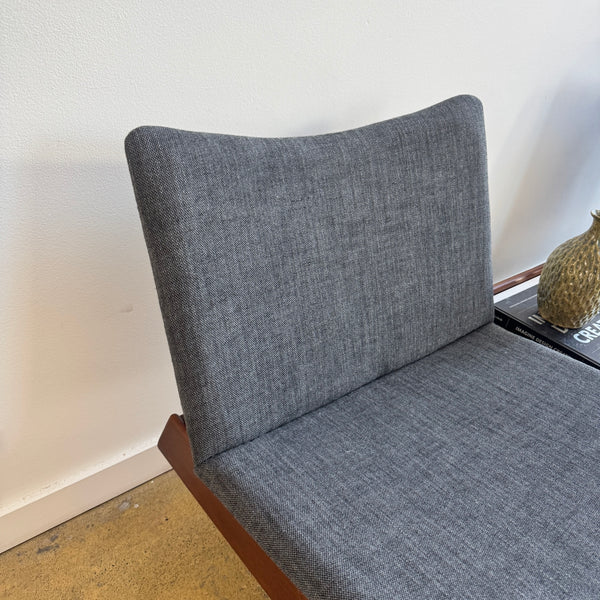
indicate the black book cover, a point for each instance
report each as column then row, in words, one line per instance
column 519, row 314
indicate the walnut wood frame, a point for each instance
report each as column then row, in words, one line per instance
column 510, row 282
column 175, row 445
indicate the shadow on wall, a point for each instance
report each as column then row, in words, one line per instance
column 86, row 330
column 561, row 182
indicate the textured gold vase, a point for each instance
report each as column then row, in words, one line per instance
column 569, row 288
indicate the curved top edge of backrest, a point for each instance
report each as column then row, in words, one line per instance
column 459, row 100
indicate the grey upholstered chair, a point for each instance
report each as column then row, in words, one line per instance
column 360, row 429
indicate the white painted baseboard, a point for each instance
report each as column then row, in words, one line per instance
column 40, row 515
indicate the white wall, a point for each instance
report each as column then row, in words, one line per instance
column 86, row 379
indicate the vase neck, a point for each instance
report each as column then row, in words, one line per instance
column 595, row 228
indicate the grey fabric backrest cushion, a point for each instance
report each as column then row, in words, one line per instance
column 291, row 271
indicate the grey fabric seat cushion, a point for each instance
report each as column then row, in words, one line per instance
column 291, row 271
column 470, row 474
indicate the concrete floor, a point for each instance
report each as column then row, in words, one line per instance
column 152, row 542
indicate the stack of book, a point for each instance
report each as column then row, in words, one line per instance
column 519, row 314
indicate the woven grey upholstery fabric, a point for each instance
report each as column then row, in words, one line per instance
column 293, row 271
column 471, row 474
